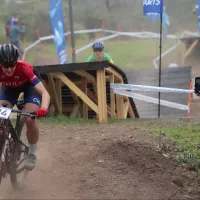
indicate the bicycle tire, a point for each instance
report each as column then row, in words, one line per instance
column 1, row 146
column 15, row 155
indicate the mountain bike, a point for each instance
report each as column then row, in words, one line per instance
column 13, row 151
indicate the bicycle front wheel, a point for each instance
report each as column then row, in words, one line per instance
column 1, row 161
column 19, row 154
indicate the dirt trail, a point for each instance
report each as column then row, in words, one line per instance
column 102, row 162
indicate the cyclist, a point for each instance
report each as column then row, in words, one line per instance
column 99, row 54
column 18, row 77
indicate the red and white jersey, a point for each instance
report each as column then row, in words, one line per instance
column 23, row 73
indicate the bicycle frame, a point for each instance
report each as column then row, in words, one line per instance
column 8, row 133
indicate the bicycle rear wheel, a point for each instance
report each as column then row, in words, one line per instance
column 19, row 153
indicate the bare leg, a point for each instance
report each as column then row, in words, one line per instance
column 32, row 135
column 32, row 129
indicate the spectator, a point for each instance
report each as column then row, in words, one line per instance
column 165, row 24
column 14, row 18
column 15, row 33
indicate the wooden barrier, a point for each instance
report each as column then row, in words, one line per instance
column 190, row 43
column 84, row 88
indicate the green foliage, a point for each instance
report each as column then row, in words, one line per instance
column 87, row 15
column 185, row 134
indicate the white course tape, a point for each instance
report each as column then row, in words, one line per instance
column 165, row 53
column 175, row 46
column 148, row 88
column 90, row 44
column 151, row 100
column 132, row 34
column 50, row 37
column 29, row 47
column 32, row 45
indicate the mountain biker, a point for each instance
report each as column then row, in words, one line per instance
column 18, row 77
column 99, row 54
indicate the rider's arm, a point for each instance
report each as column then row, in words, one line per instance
column 108, row 58
column 38, row 85
column 20, row 30
column 44, row 94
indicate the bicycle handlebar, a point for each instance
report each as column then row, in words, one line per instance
column 29, row 114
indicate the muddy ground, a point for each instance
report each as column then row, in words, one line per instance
column 103, row 162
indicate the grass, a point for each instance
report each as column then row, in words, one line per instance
column 132, row 54
column 63, row 119
column 185, row 134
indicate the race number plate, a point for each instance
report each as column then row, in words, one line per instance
column 5, row 112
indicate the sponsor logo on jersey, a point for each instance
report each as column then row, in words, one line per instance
column 36, row 100
column 12, row 84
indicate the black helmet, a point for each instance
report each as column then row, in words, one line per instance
column 9, row 54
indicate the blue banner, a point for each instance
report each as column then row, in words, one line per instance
column 198, row 12
column 58, row 28
column 152, row 6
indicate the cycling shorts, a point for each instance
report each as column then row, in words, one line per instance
column 12, row 94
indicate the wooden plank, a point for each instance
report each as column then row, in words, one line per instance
column 85, row 106
column 52, row 86
column 76, row 90
column 103, row 80
column 76, row 99
column 101, row 93
column 99, row 98
column 94, row 98
column 86, row 75
column 89, row 77
column 75, row 110
column 58, row 86
column 130, row 110
column 112, row 71
column 120, row 106
column 126, row 107
column 71, row 67
column 112, row 97
column 188, row 52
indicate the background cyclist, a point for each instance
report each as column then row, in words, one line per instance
column 98, row 53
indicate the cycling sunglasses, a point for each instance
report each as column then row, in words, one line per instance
column 95, row 50
column 6, row 66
